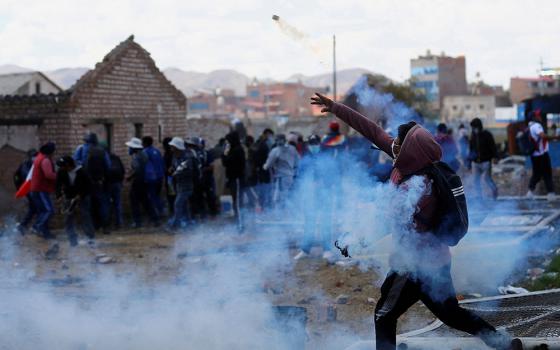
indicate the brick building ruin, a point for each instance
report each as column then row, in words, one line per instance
column 125, row 95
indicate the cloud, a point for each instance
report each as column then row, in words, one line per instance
column 500, row 38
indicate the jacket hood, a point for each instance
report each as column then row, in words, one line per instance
column 419, row 149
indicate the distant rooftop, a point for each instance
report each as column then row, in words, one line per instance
column 11, row 83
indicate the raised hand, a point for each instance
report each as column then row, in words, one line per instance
column 322, row 101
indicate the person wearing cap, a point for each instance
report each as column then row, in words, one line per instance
column 283, row 161
column 136, row 177
column 73, row 188
column 43, row 184
column 183, row 171
column 19, row 178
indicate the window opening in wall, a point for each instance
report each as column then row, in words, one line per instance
column 467, row 106
column 481, row 106
column 109, row 136
column 138, row 130
column 159, row 133
column 37, row 88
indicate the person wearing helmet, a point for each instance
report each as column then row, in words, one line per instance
column 183, row 170
column 73, row 188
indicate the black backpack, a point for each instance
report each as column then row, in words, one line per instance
column 525, row 142
column 95, row 165
column 453, row 220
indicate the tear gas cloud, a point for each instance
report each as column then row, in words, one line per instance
column 216, row 300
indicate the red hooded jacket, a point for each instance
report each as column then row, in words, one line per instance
column 418, row 150
column 43, row 178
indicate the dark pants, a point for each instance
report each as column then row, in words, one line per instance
column 45, row 211
column 542, row 169
column 236, row 188
column 114, row 191
column 85, row 218
column 31, row 212
column 153, row 190
column 401, row 290
column 182, row 214
column 99, row 205
column 138, row 198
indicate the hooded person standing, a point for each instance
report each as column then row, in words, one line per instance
column 425, row 275
column 283, row 161
column 43, row 185
column 482, row 151
column 154, row 174
column 234, row 162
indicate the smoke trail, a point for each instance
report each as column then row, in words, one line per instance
column 302, row 38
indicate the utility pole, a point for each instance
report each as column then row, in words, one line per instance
column 334, row 66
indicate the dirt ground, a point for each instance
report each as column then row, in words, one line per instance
column 154, row 257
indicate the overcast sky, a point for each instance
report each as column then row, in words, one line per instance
column 500, row 38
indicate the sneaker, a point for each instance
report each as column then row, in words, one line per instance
column 300, row 255
column 530, row 194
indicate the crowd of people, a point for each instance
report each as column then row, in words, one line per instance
column 259, row 174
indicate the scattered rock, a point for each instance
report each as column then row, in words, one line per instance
column 342, row 299
column 357, row 289
column 104, row 259
column 371, row 301
column 140, row 256
column 52, row 252
column 65, row 281
column 307, row 300
column 182, row 255
column 64, row 267
column 339, row 284
column 346, row 263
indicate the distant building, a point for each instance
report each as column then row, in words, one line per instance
column 524, row 88
column 279, row 100
column 124, row 96
column 218, row 103
column 28, row 83
column 462, row 109
column 439, row 76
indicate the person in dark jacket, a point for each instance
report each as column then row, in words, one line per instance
column 136, row 177
column 19, row 178
column 260, row 150
column 183, row 170
column 154, row 174
column 426, row 274
column 114, row 183
column 43, row 184
column 482, row 151
column 73, row 188
column 168, row 161
column 234, row 162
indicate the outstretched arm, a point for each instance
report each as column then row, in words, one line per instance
column 369, row 129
